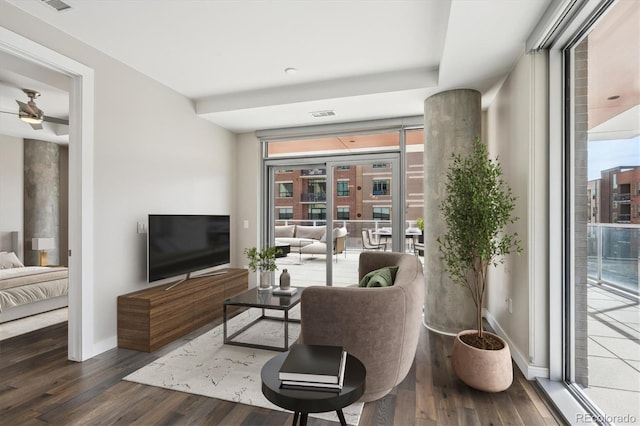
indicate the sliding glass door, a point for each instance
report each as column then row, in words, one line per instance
column 322, row 195
column 297, row 218
column 362, row 193
column 602, row 323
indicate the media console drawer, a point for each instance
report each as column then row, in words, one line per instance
column 153, row 317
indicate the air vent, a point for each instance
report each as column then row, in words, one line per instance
column 58, row 5
column 327, row 113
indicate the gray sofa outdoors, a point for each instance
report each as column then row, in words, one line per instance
column 298, row 235
column 310, row 239
column 380, row 326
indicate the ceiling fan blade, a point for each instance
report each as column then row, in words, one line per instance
column 36, row 126
column 55, row 120
column 27, row 109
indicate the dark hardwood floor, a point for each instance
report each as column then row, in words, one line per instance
column 38, row 385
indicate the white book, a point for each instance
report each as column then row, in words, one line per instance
column 288, row 292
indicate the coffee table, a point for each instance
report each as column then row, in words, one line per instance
column 303, row 402
column 285, row 249
column 264, row 300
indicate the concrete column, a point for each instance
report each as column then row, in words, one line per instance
column 41, row 197
column 452, row 121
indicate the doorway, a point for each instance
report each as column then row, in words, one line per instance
column 602, row 148
column 318, row 208
column 81, row 100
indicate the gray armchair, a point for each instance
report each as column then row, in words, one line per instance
column 380, row 326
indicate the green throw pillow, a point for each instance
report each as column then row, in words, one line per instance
column 383, row 277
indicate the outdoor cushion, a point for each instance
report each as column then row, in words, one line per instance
column 310, row 232
column 285, row 231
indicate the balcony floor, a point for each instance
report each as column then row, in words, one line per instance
column 307, row 270
column 613, row 352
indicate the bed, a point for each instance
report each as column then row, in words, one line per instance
column 28, row 290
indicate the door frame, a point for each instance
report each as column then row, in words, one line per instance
column 394, row 157
column 81, row 226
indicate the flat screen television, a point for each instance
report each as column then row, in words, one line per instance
column 182, row 244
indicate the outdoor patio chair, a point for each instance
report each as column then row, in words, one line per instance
column 370, row 245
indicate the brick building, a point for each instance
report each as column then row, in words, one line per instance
column 618, row 195
column 362, row 192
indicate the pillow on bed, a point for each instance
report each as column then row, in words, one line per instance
column 10, row 260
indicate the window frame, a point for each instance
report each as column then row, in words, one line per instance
column 376, row 182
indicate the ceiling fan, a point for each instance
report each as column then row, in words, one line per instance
column 30, row 113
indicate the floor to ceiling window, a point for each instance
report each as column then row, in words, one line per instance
column 353, row 181
column 602, row 356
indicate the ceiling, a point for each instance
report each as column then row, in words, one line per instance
column 362, row 59
column 614, row 74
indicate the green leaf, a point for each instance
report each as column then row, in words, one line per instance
column 478, row 206
column 262, row 260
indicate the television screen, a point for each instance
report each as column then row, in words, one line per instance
column 180, row 244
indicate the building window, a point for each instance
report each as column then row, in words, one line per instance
column 285, row 213
column 343, row 188
column 343, row 213
column 285, row 190
column 317, row 213
column 343, row 167
column 381, row 187
column 381, row 213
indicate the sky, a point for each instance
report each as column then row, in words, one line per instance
column 605, row 155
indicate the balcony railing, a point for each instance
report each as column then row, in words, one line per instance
column 354, row 229
column 313, row 172
column 622, row 198
column 313, row 197
column 614, row 255
column 624, row 217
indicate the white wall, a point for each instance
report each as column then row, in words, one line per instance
column 152, row 154
column 517, row 134
column 11, row 184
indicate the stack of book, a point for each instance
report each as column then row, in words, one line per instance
column 311, row 367
column 288, row 292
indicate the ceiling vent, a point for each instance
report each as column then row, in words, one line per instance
column 58, row 5
column 327, row 113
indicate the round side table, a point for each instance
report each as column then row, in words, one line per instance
column 303, row 402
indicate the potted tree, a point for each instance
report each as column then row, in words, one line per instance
column 478, row 206
column 263, row 261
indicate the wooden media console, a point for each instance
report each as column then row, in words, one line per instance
column 151, row 318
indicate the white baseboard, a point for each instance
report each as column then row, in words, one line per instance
column 104, row 345
column 529, row 371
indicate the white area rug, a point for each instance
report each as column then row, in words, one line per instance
column 34, row 322
column 205, row 366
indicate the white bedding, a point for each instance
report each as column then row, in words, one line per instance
column 19, row 286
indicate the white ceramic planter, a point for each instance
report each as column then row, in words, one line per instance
column 485, row 370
